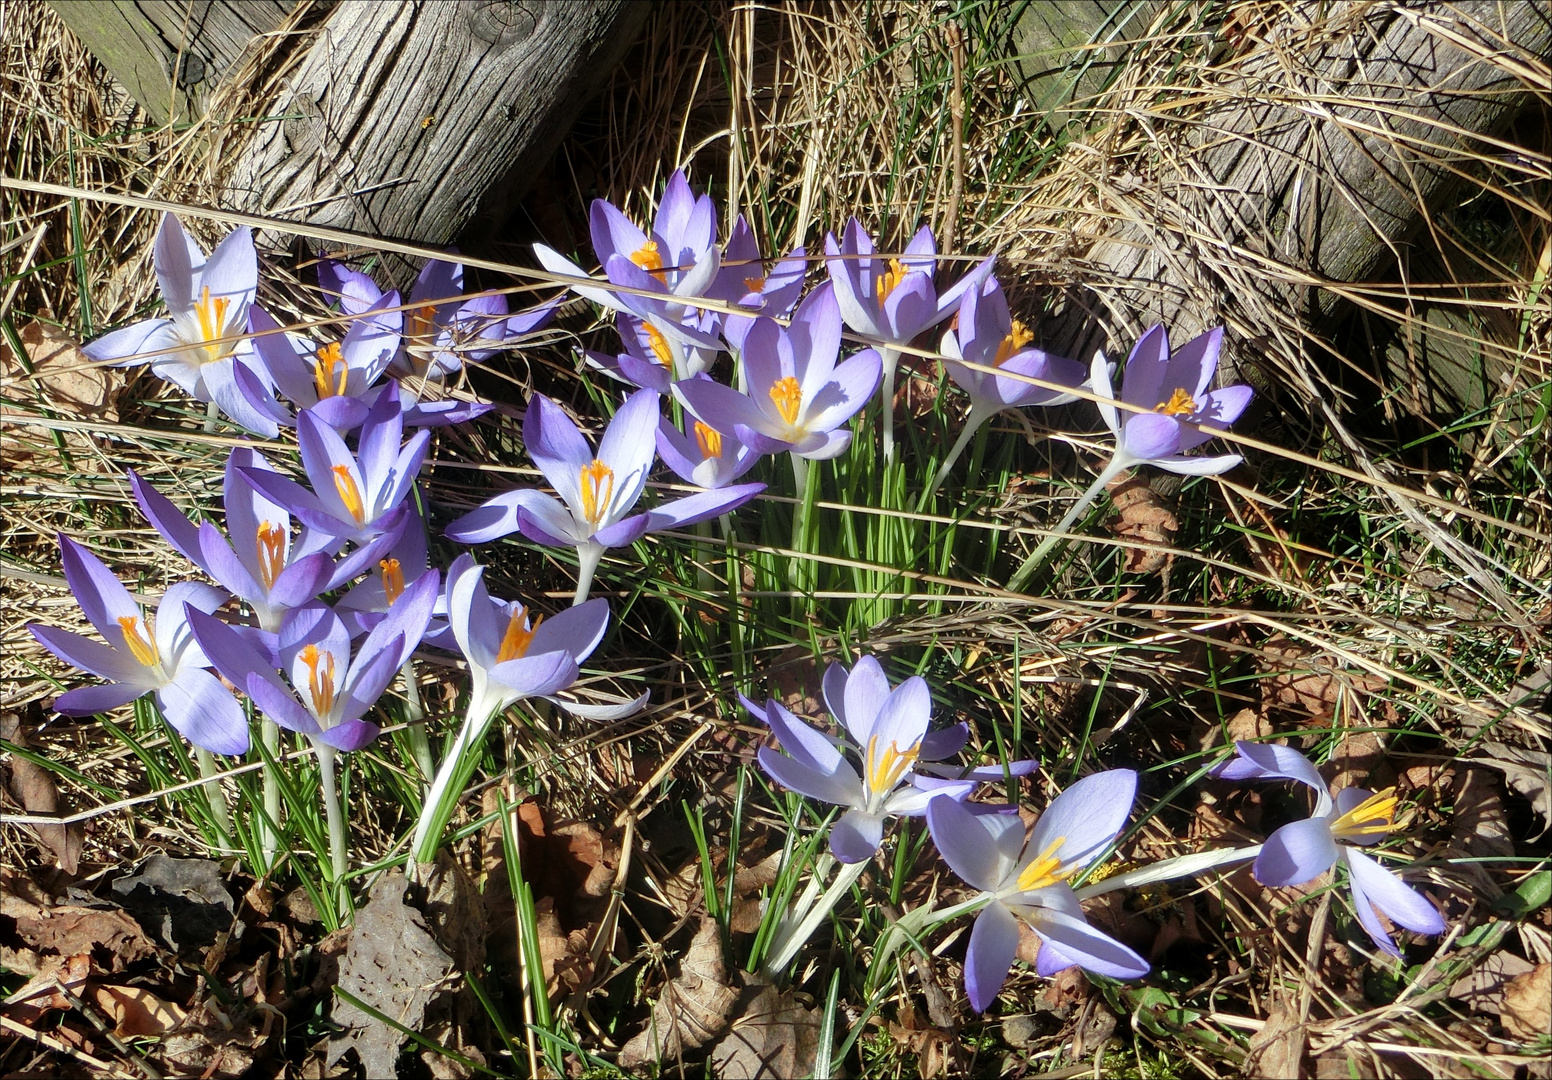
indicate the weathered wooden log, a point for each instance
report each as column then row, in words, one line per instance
column 1313, row 161
column 420, row 121
column 169, row 54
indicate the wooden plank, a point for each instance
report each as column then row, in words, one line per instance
column 414, row 120
column 140, row 42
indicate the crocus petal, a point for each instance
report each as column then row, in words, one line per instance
column 176, row 257
column 1198, row 466
column 1298, row 852
column 141, row 337
column 370, row 675
column 841, row 787
column 557, row 447
column 937, row 745
column 1150, row 435
column 355, row 291
column 723, row 408
column 405, row 622
column 1383, row 889
column 1089, row 948
column 1143, row 382
column 622, row 532
column 702, row 506
column 93, row 656
column 272, row 699
column 856, row 835
column 379, row 446
column 905, row 714
column 235, row 403
column 204, row 712
column 973, row 282
column 1086, row 817
column 1268, row 761
column 993, row 946
column 232, row 271
column 437, row 280
column 498, row 517
column 302, row 581
column 628, row 447
column 536, row 676
column 803, row 743
column 553, row 525
column 965, row 843
column 1099, row 382
column 815, row 333
column 603, row 714
column 166, row 519
column 851, row 385
column 91, row 700
column 172, row 632
column 576, row 630
column 613, row 233
column 867, row 689
column 349, row 735
column 910, row 308
column 101, row 595
column 556, row 263
column 1191, row 366
column 1222, row 409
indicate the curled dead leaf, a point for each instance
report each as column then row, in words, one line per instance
column 1144, row 517
column 70, row 381
column 692, row 1008
column 137, row 1012
column 1298, row 678
column 1527, row 1003
column 34, row 788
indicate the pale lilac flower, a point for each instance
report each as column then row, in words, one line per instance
column 1303, row 850
column 652, row 360
column 702, row 455
column 1181, row 411
column 513, row 656
column 597, row 492
column 354, row 496
column 207, row 301
column 798, row 395
column 337, row 381
column 143, row 656
column 257, row 561
column 330, row 690
column 678, row 262
column 988, row 335
column 366, row 603
column 893, row 299
column 887, row 729
column 744, row 281
column 1027, row 880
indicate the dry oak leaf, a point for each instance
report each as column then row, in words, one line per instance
column 33, row 786
column 42, row 991
column 1526, row 771
column 71, row 382
column 774, row 1038
column 1527, row 1004
column 69, row 931
column 692, row 1009
column 136, row 1012
column 1298, row 679
column 1143, row 517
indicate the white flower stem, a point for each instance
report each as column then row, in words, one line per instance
column 1114, row 468
column 801, row 513
column 214, row 795
column 1179, row 867
column 415, row 717
column 269, row 828
column 212, row 414
column 339, row 855
column 977, row 416
column 806, row 915
column 588, row 558
column 891, row 360
column 445, row 788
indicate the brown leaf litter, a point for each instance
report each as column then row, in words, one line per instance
column 1142, row 515
column 692, row 1008
column 33, row 787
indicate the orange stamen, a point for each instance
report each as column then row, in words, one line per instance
column 647, row 257
column 787, row 395
column 1375, row 816
column 271, row 544
column 890, row 280
column 519, row 635
column 754, row 284
column 1181, row 403
column 141, row 646
column 659, row 347
column 709, row 439
column 349, row 493
column 886, row 766
column 320, row 684
column 597, row 491
column 1046, row 870
column 329, row 360
column 393, row 579
column 1017, row 338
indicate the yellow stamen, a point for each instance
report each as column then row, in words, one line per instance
column 141, row 646
column 658, row 344
column 787, row 394
column 597, row 491
column 519, row 635
column 1017, row 338
column 887, row 766
column 710, row 440
column 1046, row 870
column 889, row 281
column 422, row 319
column 754, row 284
column 211, row 314
column 271, row 542
column 393, row 579
column 349, row 493
column 647, row 257
column 320, row 683
column 1180, row 404
column 329, row 360
column 1375, row 816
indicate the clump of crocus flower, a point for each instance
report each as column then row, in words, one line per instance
column 1303, row 850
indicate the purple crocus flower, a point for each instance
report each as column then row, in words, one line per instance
column 678, row 262
column 207, row 301
column 144, row 657
column 798, row 396
column 743, row 281
column 652, row 360
column 597, row 492
column 1173, row 391
column 702, row 455
column 1303, row 850
column 1026, row 879
column 336, row 382
column 887, row 728
column 330, row 690
column 257, row 561
column 366, row 603
column 444, row 328
column 354, row 497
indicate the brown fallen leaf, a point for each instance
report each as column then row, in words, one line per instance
column 41, row 992
column 34, row 788
column 1298, row 678
column 69, row 930
column 1276, row 1052
column 1143, row 516
column 774, row 1038
column 568, row 966
column 70, row 381
column 1482, row 988
column 1526, row 772
column 1527, row 1004
column 1481, row 828
column 135, row 1011
column 692, row 1008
